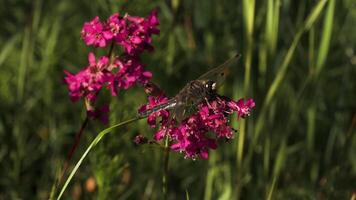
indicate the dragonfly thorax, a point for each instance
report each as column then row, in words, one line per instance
column 197, row 91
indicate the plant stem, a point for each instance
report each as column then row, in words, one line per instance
column 93, row 144
column 165, row 170
column 111, row 50
column 78, row 136
column 74, row 147
column 77, row 140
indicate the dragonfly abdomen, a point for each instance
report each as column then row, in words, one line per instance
column 164, row 106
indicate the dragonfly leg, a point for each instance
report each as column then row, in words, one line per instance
column 207, row 102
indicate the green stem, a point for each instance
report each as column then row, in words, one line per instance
column 93, row 144
column 165, row 170
column 60, row 177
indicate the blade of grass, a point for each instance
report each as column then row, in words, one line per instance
column 248, row 19
column 8, row 48
column 284, row 66
column 210, row 177
column 278, row 165
column 248, row 14
column 272, row 21
column 326, row 36
column 96, row 140
column 271, row 190
column 311, row 116
column 23, row 63
column 266, row 156
column 275, row 27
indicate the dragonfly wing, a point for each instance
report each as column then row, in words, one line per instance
column 183, row 111
column 183, row 106
column 219, row 73
column 179, row 113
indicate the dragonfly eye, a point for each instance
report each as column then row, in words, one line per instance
column 211, row 85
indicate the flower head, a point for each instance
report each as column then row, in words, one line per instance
column 93, row 33
column 119, row 72
column 133, row 33
column 140, row 139
column 88, row 82
column 191, row 135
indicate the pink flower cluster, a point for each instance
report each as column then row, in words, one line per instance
column 191, row 135
column 114, row 71
column 132, row 32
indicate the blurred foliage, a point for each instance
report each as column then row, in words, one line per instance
column 298, row 64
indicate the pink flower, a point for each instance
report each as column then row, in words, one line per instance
column 140, row 139
column 88, row 82
column 116, row 27
column 129, row 71
column 137, row 37
column 243, row 108
column 133, row 33
column 191, row 135
column 77, row 84
column 191, row 138
column 123, row 71
column 92, row 33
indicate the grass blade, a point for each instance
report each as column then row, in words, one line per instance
column 96, row 140
column 326, row 36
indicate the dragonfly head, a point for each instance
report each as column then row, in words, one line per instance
column 211, row 86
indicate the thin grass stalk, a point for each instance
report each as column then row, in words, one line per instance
column 311, row 119
column 315, row 13
column 266, row 156
column 248, row 19
column 165, row 168
column 96, row 140
column 275, row 25
column 316, row 64
column 278, row 165
column 72, row 150
column 272, row 24
column 320, row 63
column 8, row 47
column 311, row 54
column 210, row 177
column 311, row 110
column 272, row 188
column 23, row 63
column 78, row 136
column 326, row 36
column 268, row 43
column 266, row 52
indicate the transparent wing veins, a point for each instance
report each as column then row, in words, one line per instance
column 218, row 73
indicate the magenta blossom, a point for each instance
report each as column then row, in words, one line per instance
column 93, row 33
column 88, row 82
column 120, row 71
column 121, row 74
column 139, row 35
column 140, row 139
column 191, row 135
column 133, row 33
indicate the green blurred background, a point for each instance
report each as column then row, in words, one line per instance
column 298, row 64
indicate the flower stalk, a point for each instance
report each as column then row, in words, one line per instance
column 96, row 140
column 165, row 170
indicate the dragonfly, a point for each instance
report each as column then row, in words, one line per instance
column 195, row 92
